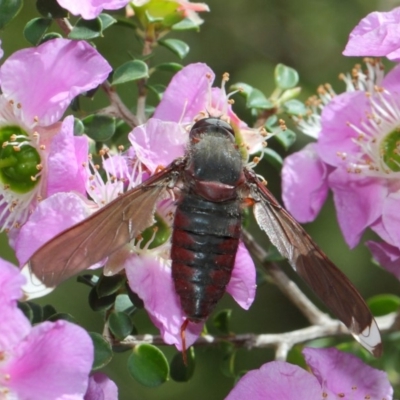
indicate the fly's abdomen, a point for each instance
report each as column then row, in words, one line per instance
column 204, row 245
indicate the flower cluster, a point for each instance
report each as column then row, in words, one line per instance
column 357, row 150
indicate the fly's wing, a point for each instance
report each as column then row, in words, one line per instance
column 100, row 235
column 323, row 277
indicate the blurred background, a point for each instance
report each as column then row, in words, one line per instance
column 246, row 39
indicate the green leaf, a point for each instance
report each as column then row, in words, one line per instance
column 273, row 158
column 48, row 311
column 181, row 372
column 286, row 77
column 244, row 88
column 37, row 312
column 286, row 138
column 86, row 29
column 100, row 304
column 383, row 304
column 157, row 89
column 62, row 316
column 257, row 99
column 51, row 8
column 184, row 25
column 294, row 107
column 50, row 36
column 222, row 320
column 130, row 71
column 148, row 365
column 8, row 10
column 79, row 128
column 102, row 351
column 109, row 284
column 120, row 324
column 123, row 304
column 88, row 279
column 178, row 47
column 169, row 67
column 99, row 127
column 228, row 359
column 126, row 22
column 107, row 20
column 35, row 29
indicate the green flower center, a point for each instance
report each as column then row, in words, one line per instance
column 390, row 150
column 19, row 161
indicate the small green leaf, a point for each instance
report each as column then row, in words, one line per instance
column 88, row 279
column 35, row 29
column 178, row 47
column 148, row 365
column 79, row 128
column 50, row 36
column 109, row 284
column 383, row 304
column 222, row 320
column 256, row 99
column 123, row 304
column 8, row 10
column 51, row 8
column 181, row 372
column 99, row 127
column 286, row 77
column 294, row 107
column 286, row 138
column 62, row 316
column 37, row 312
column 48, row 311
column 107, row 20
column 169, row 67
column 273, row 158
column 120, row 324
column 244, row 88
column 126, row 22
column 100, row 304
column 130, row 71
column 86, row 29
column 157, row 89
column 102, row 351
column 185, row 24
column 228, row 359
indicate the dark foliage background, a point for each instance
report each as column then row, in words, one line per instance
column 246, row 39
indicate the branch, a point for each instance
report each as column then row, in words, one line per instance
column 282, row 342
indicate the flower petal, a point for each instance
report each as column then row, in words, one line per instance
column 54, row 361
column 52, row 216
column 276, row 380
column 65, row 161
column 346, row 375
column 150, row 278
column 386, row 255
column 158, row 142
column 90, row 9
column 101, row 387
column 358, row 201
column 304, row 184
column 336, row 135
column 70, row 67
column 376, row 35
column 242, row 286
column 391, row 218
column 186, row 94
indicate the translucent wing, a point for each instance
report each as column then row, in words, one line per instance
column 102, row 234
column 323, row 277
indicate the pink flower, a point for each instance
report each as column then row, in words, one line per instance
column 49, row 361
column 334, row 374
column 35, row 145
column 376, row 35
column 90, row 9
column 356, row 156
